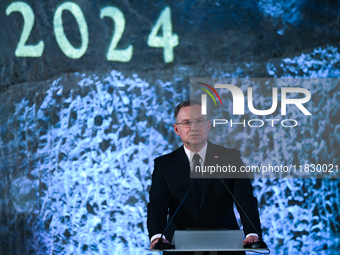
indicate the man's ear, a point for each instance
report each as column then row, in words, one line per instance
column 176, row 129
column 208, row 125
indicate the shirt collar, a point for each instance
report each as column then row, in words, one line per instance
column 202, row 152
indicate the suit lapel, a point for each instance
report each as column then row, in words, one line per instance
column 183, row 168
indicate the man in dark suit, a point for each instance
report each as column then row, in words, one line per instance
column 209, row 204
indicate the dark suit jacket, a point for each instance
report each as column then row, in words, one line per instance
column 171, row 181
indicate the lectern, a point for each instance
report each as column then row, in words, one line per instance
column 208, row 240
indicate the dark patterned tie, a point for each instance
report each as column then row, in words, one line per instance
column 198, row 181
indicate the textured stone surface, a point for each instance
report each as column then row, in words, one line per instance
column 86, row 145
column 218, row 32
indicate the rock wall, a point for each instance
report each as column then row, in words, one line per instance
column 78, row 136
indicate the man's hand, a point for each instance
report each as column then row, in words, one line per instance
column 155, row 241
column 250, row 239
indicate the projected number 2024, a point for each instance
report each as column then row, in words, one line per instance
column 167, row 41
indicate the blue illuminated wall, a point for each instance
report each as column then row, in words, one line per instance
column 77, row 160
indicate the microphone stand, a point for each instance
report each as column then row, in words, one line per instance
column 160, row 245
column 256, row 245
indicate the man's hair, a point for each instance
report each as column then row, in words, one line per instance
column 184, row 104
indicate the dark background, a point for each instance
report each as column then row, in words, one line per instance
column 210, row 33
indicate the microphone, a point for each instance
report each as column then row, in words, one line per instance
column 160, row 245
column 256, row 245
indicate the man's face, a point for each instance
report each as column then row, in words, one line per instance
column 193, row 137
